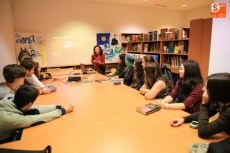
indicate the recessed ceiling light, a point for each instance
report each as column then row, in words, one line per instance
column 144, row 0
column 184, row 5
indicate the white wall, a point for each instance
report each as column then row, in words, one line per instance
column 220, row 50
column 7, row 51
column 82, row 20
column 204, row 12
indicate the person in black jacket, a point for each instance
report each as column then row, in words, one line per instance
column 138, row 75
column 216, row 99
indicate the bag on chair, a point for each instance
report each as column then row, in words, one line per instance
column 6, row 150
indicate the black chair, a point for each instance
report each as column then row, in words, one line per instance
column 14, row 136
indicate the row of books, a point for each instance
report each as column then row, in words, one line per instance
column 147, row 47
column 165, row 34
column 175, row 61
column 174, row 33
column 152, row 48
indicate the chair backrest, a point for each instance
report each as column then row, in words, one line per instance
column 167, row 72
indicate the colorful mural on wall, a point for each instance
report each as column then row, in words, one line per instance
column 30, row 45
column 111, row 46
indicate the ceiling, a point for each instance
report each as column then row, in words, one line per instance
column 169, row 4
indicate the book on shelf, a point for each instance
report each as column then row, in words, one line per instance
column 155, row 36
column 171, row 34
column 181, row 48
column 177, row 49
column 151, row 48
column 148, row 109
column 135, row 37
column 163, row 33
column 134, row 47
column 176, row 36
column 146, row 47
column 146, row 37
column 141, row 37
column 139, row 47
column 183, row 33
column 151, row 36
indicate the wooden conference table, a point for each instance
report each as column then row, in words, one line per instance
column 105, row 120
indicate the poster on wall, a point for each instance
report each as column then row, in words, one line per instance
column 30, row 45
column 111, row 46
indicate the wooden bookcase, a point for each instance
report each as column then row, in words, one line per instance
column 134, row 43
column 200, row 43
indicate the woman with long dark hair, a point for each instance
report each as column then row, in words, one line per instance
column 216, row 99
column 146, row 60
column 98, row 59
column 188, row 90
column 138, row 75
column 156, row 84
column 120, row 66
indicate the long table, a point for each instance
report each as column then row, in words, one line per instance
column 105, row 121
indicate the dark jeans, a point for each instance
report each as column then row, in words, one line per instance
column 102, row 69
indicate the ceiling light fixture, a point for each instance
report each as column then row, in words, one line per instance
column 184, row 5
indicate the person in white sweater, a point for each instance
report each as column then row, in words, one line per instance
column 31, row 79
column 19, row 112
column 34, row 81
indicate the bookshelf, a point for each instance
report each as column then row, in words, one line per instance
column 172, row 46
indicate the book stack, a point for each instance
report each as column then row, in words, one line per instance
column 148, row 109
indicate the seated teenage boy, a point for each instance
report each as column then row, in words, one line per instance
column 30, row 65
column 14, row 111
column 14, row 76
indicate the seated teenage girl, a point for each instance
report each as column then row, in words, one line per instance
column 156, row 84
column 188, row 90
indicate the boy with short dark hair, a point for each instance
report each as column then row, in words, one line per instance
column 14, row 112
column 14, row 75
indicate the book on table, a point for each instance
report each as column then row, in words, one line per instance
column 101, row 80
column 148, row 109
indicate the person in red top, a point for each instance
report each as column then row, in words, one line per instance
column 188, row 90
column 98, row 59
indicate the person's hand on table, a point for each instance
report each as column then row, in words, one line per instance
column 68, row 108
column 45, row 90
column 160, row 103
column 176, row 122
